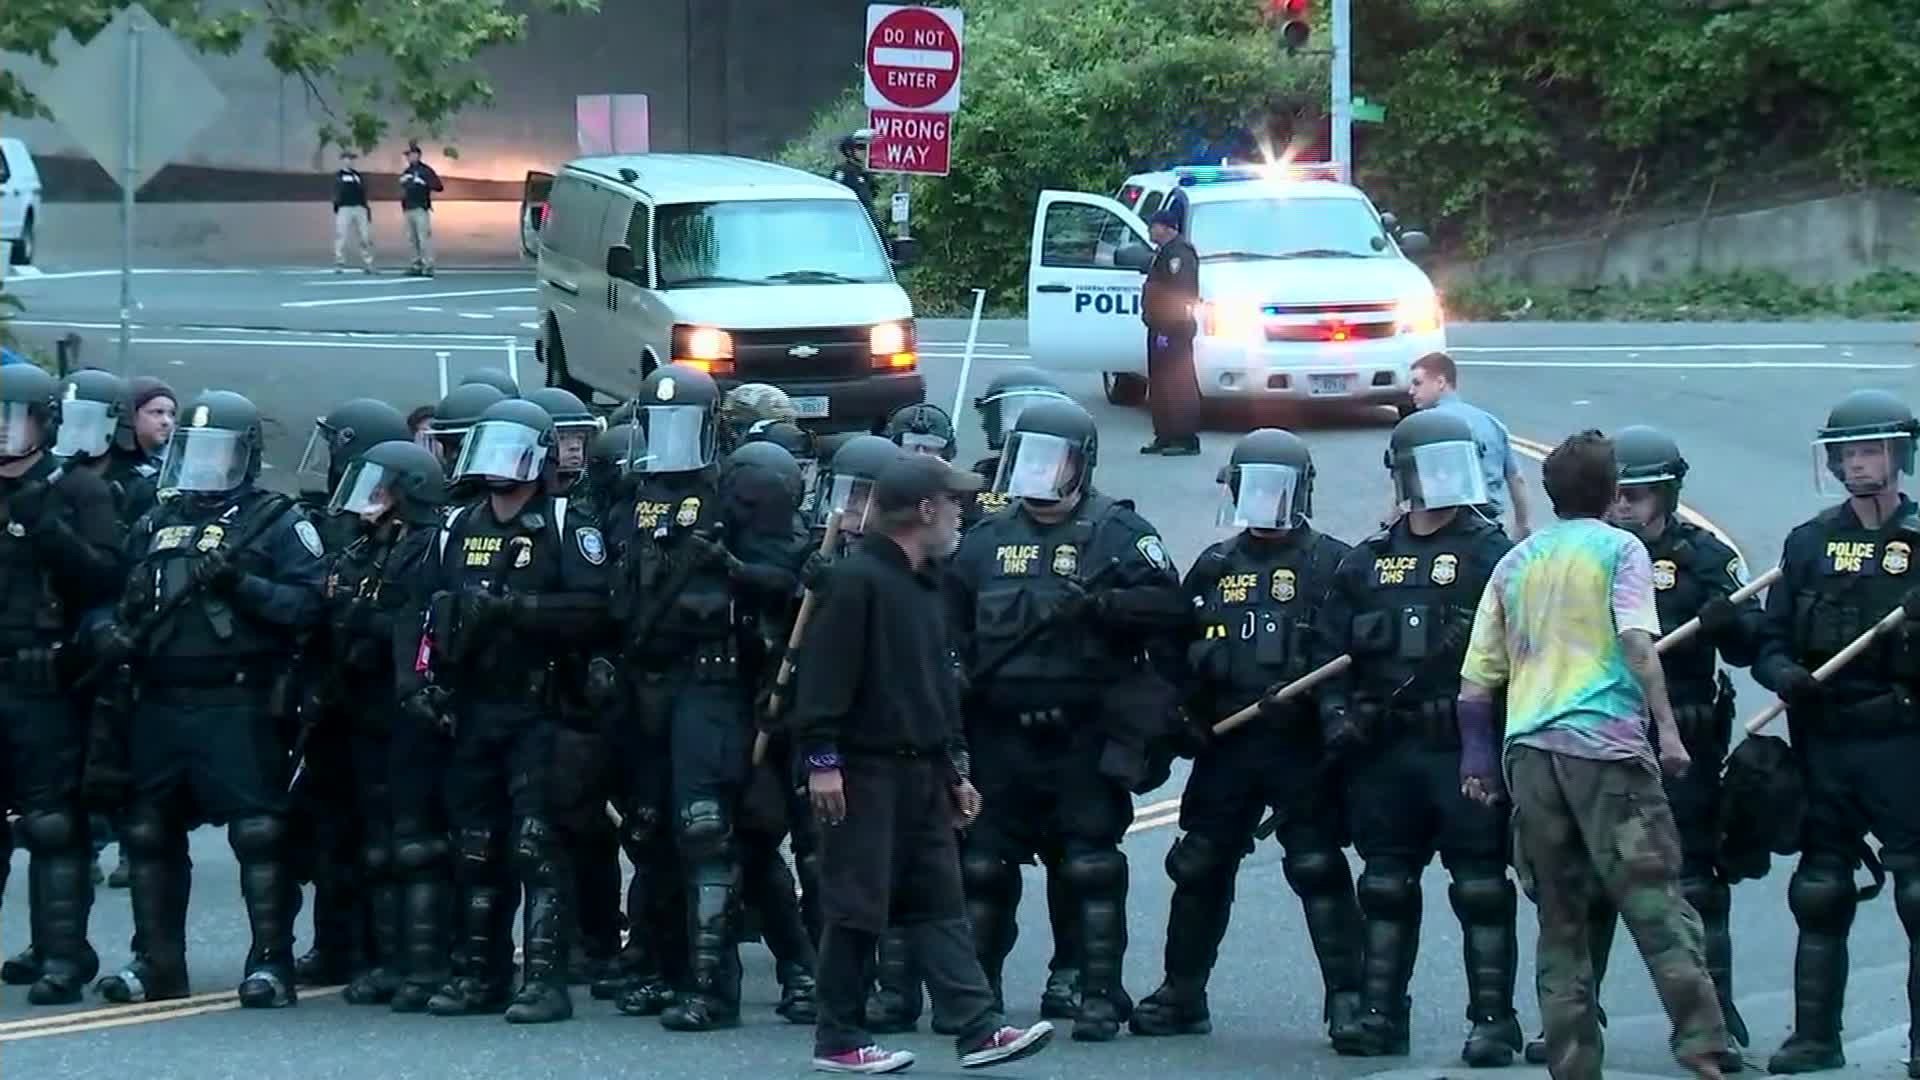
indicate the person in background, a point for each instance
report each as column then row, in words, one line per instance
column 852, row 172
column 1566, row 628
column 351, row 215
column 8, row 356
column 1166, row 304
column 1435, row 384
column 417, row 422
column 418, row 182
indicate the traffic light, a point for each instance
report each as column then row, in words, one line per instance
column 1294, row 30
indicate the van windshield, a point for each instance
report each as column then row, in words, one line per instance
column 770, row 242
column 1284, row 229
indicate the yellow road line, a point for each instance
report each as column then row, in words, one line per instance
column 122, row 1015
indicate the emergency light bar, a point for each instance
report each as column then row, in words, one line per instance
column 1194, row 175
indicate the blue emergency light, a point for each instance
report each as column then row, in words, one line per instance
column 1195, row 175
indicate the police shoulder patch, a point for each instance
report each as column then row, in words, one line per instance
column 1155, row 552
column 592, row 547
column 1737, row 571
column 309, row 537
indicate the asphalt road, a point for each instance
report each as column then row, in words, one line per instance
column 1742, row 399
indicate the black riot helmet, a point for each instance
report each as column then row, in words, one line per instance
column 1010, row 392
column 574, row 425
column 455, row 415
column 764, row 485
column 1863, row 420
column 611, row 464
column 848, row 482
column 1648, row 456
column 1051, row 451
column 351, row 429
column 1435, row 462
column 511, row 445
column 398, row 477
column 494, row 377
column 93, row 405
column 1269, row 481
column 216, row 448
column 677, row 411
column 923, row 429
column 29, row 411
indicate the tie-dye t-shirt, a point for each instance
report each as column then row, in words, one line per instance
column 1548, row 629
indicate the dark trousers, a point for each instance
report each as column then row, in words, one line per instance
column 1172, row 393
column 894, row 861
column 41, row 744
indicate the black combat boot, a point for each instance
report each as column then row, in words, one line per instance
column 712, row 1000
column 478, row 986
column 897, row 996
column 1486, row 907
column 1061, row 998
column 271, row 898
column 61, row 897
column 424, row 905
column 159, row 972
column 379, row 983
column 797, row 1005
column 1324, row 884
column 784, row 930
column 1099, row 879
column 1178, row 1007
column 1819, row 988
column 22, row 968
column 660, row 928
column 1382, row 1031
column 1196, row 922
column 332, row 960
column 543, row 997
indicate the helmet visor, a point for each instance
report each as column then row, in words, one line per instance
column 677, row 438
column 86, row 428
column 1441, row 475
column 203, row 459
column 1035, row 466
column 317, row 458
column 1266, row 499
column 365, row 488
column 20, row 430
column 1015, row 401
column 921, row 443
column 1861, row 465
column 502, row 450
column 847, row 496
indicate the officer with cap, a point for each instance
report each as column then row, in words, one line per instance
column 923, row 429
column 1694, row 573
column 393, row 492
column 1401, row 606
column 518, row 584
column 227, row 576
column 453, row 418
column 1255, row 594
column 58, row 560
column 686, row 578
column 1166, row 304
column 494, row 377
column 140, row 442
column 852, row 172
column 1056, row 604
column 1856, row 733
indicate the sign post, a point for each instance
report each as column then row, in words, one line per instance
column 913, row 61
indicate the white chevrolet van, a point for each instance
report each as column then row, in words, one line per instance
column 751, row 271
column 19, row 201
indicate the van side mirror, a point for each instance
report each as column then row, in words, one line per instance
column 904, row 251
column 1413, row 243
column 1134, row 257
column 620, row 263
column 1390, row 222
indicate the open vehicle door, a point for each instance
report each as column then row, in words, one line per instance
column 533, row 210
column 1083, row 301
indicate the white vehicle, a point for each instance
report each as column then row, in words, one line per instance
column 750, row 271
column 19, row 200
column 1306, row 290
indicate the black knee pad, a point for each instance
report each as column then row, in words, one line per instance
column 1483, row 899
column 1316, row 873
column 376, row 856
column 534, row 848
column 1096, row 873
column 419, row 854
column 1388, row 891
column 1196, row 860
column 705, row 831
column 477, row 846
column 1821, row 895
column 988, row 877
column 1710, row 897
column 258, row 839
column 51, row 831
column 147, row 834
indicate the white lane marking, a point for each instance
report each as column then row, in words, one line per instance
column 391, row 299
column 1755, row 346
column 516, row 309
column 1693, row 365
column 417, row 307
column 365, row 280
column 70, row 275
column 25, row 272
column 531, row 325
column 497, row 345
column 471, row 314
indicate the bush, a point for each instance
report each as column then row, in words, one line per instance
column 1705, row 297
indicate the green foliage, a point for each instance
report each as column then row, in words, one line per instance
column 363, row 60
column 1708, row 297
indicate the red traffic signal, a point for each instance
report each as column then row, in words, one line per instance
column 1294, row 30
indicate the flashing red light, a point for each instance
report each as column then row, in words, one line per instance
column 1294, row 9
column 1294, row 30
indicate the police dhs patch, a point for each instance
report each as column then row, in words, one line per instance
column 1066, row 560
column 1156, row 552
column 1897, row 557
column 1284, row 585
column 1445, row 569
column 309, row 538
column 1664, row 573
column 592, row 547
column 689, row 512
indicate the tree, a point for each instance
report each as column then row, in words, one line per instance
column 363, row 60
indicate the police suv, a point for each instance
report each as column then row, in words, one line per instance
column 1307, row 293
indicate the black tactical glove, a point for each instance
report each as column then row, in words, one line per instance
column 707, row 552
column 479, row 608
column 112, row 644
column 27, row 506
column 1719, row 618
column 814, row 571
column 1340, row 729
column 215, row 572
column 1798, row 688
column 1194, row 735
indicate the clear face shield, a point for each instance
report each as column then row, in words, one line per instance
column 207, row 460
column 365, row 489
column 1037, row 466
column 1860, row 466
column 86, row 429
column 920, row 443
column 502, row 450
column 847, row 496
column 677, row 438
column 1440, row 476
column 20, row 430
column 1014, row 402
column 317, row 459
column 1265, row 499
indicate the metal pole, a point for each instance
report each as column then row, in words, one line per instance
column 966, row 357
column 513, row 360
column 441, row 359
column 129, row 170
column 1343, row 88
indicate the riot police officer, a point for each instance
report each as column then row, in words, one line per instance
column 393, row 491
column 1694, row 573
column 999, row 408
column 1402, row 606
column 750, row 406
column 1057, row 602
column 347, row 431
column 59, row 558
column 1255, row 594
column 683, row 570
column 923, row 429
column 1856, row 733
column 575, row 428
column 453, row 418
column 496, row 378
column 227, row 575
column 610, row 468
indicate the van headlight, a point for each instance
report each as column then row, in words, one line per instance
column 1418, row 313
column 891, row 345
column 1239, row 320
column 705, row 348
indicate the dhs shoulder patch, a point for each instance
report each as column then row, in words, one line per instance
column 593, row 547
column 1737, row 572
column 1154, row 551
column 309, row 538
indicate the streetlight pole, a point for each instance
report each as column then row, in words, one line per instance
column 1343, row 88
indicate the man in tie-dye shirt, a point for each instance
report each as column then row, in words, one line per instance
column 1566, row 627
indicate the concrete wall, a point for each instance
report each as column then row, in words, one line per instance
column 1819, row 241
column 77, row 236
column 737, row 76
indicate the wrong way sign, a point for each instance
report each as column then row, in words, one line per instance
column 910, row 142
column 913, row 58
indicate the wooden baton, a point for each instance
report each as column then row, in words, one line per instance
column 1838, row 660
column 1288, row 692
column 785, row 676
column 1685, row 630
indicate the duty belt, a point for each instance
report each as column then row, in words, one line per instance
column 206, row 673
column 1042, row 719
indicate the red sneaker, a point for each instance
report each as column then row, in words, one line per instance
column 867, row 1059
column 1008, row 1044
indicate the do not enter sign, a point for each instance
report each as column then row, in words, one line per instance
column 913, row 58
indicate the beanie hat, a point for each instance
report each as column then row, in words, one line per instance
column 145, row 388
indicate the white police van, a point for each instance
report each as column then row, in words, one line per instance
column 1307, row 293
column 750, row 271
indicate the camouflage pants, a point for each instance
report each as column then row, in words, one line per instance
column 1584, row 828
